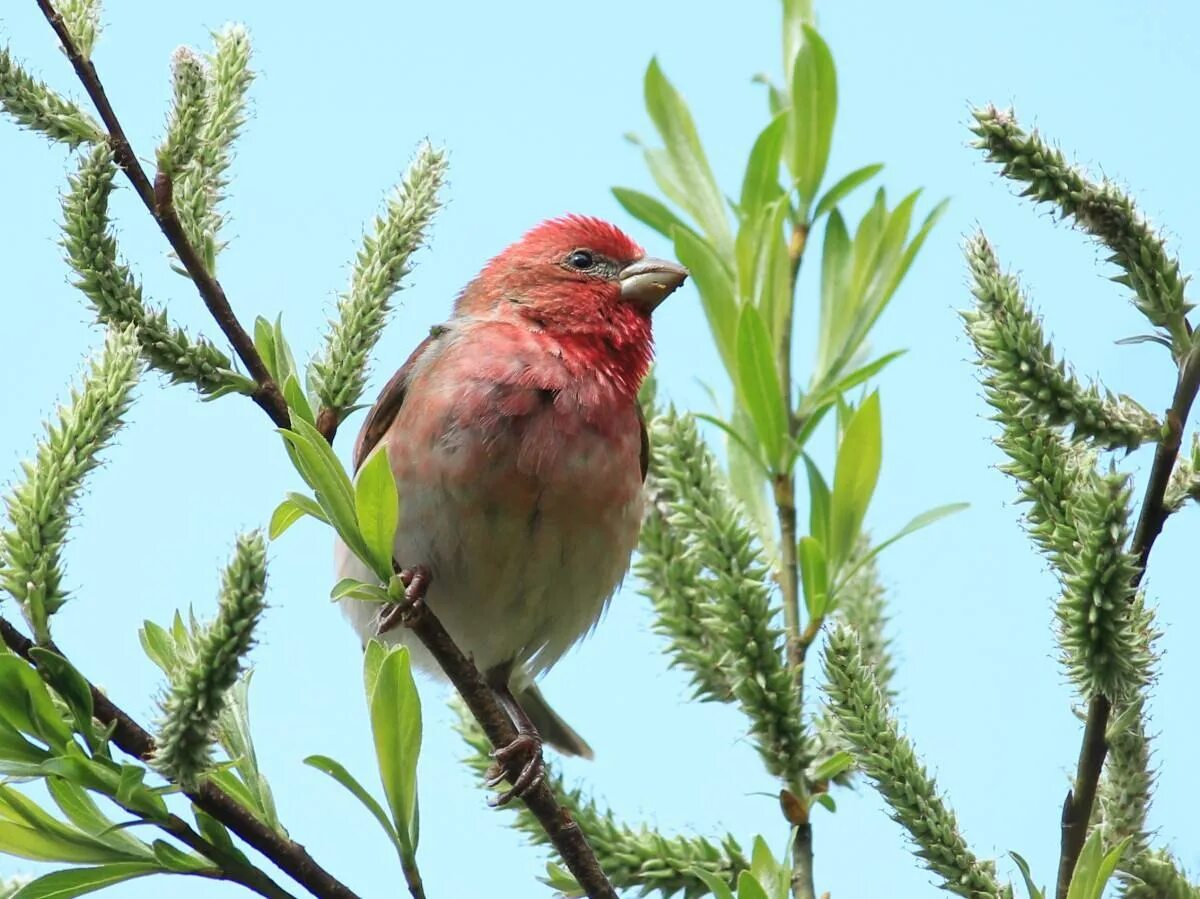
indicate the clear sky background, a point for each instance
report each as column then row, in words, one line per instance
column 532, row 99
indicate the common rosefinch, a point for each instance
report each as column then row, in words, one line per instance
column 519, row 452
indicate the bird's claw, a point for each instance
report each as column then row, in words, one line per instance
column 416, row 582
column 521, row 764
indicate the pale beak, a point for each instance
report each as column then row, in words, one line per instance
column 649, row 281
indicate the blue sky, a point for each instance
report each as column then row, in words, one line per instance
column 531, row 100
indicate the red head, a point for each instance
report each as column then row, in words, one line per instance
column 574, row 274
column 583, row 281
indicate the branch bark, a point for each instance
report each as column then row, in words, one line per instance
column 1077, row 809
column 560, row 827
column 133, row 739
column 268, row 394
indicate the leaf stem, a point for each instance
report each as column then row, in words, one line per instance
column 803, row 884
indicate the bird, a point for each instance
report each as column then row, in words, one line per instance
column 519, row 451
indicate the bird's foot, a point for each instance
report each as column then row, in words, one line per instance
column 416, row 583
column 521, row 764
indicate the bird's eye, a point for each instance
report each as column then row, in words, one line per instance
column 581, row 260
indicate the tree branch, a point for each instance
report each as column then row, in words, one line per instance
column 560, row 827
column 158, row 202
column 1077, row 809
column 132, row 738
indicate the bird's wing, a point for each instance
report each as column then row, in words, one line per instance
column 390, row 399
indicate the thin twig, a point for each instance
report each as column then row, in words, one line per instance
column 1077, row 809
column 267, row 395
column 803, row 885
column 132, row 738
column 231, row 869
column 560, row 827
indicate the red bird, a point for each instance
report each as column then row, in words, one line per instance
column 519, row 452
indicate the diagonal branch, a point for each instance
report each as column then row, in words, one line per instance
column 131, row 737
column 157, row 199
column 556, row 820
column 1077, row 809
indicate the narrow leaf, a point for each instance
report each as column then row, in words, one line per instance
column 854, row 479
column 377, row 505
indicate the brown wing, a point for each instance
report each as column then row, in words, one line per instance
column 391, row 398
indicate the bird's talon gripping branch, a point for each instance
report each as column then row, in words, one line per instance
column 416, row 584
column 521, row 764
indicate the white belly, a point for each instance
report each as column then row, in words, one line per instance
column 516, row 585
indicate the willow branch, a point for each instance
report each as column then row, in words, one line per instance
column 132, row 738
column 1077, row 809
column 157, row 199
column 560, row 827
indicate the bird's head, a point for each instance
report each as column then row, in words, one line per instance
column 574, row 275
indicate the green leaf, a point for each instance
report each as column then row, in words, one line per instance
column 297, row 402
column 28, row 831
column 15, row 749
column 825, row 801
column 796, row 15
column 923, row 520
column 715, row 283
column 286, row 514
column 767, row 872
column 1094, row 867
column 770, row 275
column 378, row 507
column 838, row 763
column 650, row 211
column 177, row 861
column 80, row 881
column 818, row 502
column 285, row 361
column 264, row 342
column 294, row 507
column 562, row 880
column 1026, row 874
column 70, row 685
column 814, row 107
column 335, row 769
column 760, row 185
column 758, row 387
column 685, row 158
column 158, row 646
column 854, row 478
column 918, row 240
column 814, row 576
column 750, row 888
column 352, row 588
column 322, row 471
column 396, row 726
column 716, row 886
column 844, row 188
column 214, row 831
column 25, row 703
column 836, row 303
column 748, row 477
column 83, row 812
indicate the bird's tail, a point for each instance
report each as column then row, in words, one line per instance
column 553, row 729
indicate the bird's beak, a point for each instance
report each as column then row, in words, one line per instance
column 647, row 282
